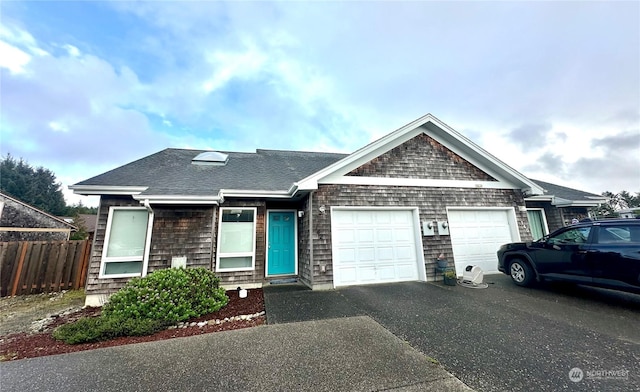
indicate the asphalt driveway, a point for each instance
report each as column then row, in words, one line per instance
column 503, row 338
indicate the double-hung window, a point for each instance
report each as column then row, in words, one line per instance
column 126, row 242
column 236, row 239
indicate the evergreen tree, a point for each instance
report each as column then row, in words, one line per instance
column 34, row 186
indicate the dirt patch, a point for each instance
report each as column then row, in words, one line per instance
column 26, row 344
column 26, row 313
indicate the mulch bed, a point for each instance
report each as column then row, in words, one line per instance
column 25, row 345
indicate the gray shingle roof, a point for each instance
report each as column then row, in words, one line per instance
column 563, row 192
column 170, row 172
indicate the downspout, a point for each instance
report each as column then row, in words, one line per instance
column 311, row 238
column 147, row 246
column 214, row 244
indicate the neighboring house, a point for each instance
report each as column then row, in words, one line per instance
column 22, row 222
column 89, row 221
column 557, row 207
column 381, row 214
column 629, row 212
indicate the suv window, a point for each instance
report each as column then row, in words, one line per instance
column 622, row 234
column 578, row 235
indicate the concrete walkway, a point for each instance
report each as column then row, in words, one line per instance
column 344, row 354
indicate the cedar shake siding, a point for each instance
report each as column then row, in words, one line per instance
column 181, row 231
column 304, row 243
column 432, row 203
column 421, row 157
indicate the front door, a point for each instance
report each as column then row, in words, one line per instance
column 281, row 243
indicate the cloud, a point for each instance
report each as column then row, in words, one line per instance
column 619, row 144
column 72, row 110
column 318, row 76
column 530, row 135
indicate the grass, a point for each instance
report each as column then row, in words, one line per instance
column 17, row 313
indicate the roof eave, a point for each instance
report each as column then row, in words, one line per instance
column 224, row 193
column 89, row 190
column 179, row 199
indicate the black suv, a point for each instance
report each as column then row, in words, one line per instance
column 603, row 253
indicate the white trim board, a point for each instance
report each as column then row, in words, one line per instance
column 415, row 182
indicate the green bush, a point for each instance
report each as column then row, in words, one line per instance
column 168, row 295
column 94, row 329
column 146, row 305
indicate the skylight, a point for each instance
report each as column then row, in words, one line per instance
column 211, row 158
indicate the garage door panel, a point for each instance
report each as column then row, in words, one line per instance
column 379, row 244
column 348, row 275
column 365, row 218
column 365, row 235
column 366, row 255
column 404, row 235
column 384, row 254
column 405, row 252
column 347, row 255
column 346, row 236
column 405, row 271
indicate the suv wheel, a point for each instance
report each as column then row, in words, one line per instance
column 521, row 273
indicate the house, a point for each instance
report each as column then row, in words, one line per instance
column 629, row 213
column 557, row 207
column 381, row 214
column 22, row 222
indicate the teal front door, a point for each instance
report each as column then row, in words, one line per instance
column 281, row 243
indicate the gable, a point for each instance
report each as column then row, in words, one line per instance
column 460, row 156
column 421, row 157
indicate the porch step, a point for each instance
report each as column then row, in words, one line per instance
column 284, row 281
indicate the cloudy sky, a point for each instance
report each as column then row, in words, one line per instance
column 550, row 88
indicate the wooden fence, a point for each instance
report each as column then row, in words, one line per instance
column 42, row 266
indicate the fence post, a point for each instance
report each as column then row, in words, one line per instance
column 14, row 289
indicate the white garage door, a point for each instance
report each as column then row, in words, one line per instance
column 374, row 246
column 476, row 236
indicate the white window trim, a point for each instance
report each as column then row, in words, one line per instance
column 145, row 256
column 237, row 254
column 545, row 226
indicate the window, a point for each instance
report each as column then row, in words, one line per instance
column 125, row 243
column 574, row 236
column 537, row 223
column 236, row 239
column 619, row 234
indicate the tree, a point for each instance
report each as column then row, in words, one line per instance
column 618, row 201
column 34, row 186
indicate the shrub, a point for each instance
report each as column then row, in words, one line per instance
column 94, row 329
column 146, row 305
column 168, row 296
